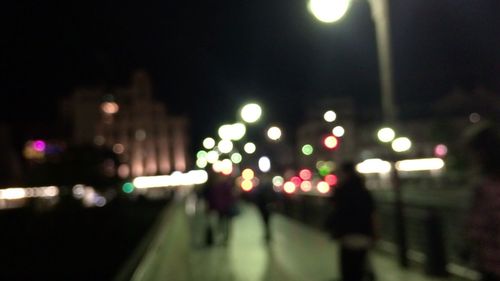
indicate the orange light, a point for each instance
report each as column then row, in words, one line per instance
column 331, row 179
column 247, row 174
column 289, row 187
column 305, row 174
column 246, row 185
column 323, row 187
column 331, row 142
column 306, row 186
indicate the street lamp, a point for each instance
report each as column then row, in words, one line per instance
column 332, row 10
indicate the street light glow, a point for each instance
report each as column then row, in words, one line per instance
column 328, row 11
column 232, row 131
column 338, row 131
column 401, row 144
column 249, row 148
column 251, row 112
column 274, row 133
column 330, row 116
column 208, row 143
column 264, row 164
column 386, row 134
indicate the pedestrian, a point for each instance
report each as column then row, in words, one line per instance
column 222, row 205
column 265, row 199
column 483, row 224
column 352, row 224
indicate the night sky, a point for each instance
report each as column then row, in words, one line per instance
column 207, row 57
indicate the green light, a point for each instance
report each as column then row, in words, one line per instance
column 307, row 149
column 236, row 158
column 324, row 170
column 128, row 187
column 201, row 154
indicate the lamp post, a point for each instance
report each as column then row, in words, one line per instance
column 333, row 10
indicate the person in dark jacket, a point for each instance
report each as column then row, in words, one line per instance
column 353, row 223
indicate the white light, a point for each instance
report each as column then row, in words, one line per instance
column 208, row 143
column 212, row 156
column 330, row 116
column 12, row 193
column 175, row 179
column 225, row 146
column 251, row 112
column 201, row 163
column 278, row 181
column 274, row 133
column 401, row 144
column 238, row 131
column 264, row 164
column 386, row 134
column 249, row 148
column 373, row 166
column 424, row 164
column 338, row 131
column 328, row 10
column 323, row 187
column 225, row 132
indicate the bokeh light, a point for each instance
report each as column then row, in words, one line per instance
column 386, row 134
column 212, row 156
column 338, row 131
column 401, row 144
column 330, row 116
column 278, row 181
column 225, row 146
column 331, row 179
column 307, row 149
column 110, row 107
column 305, row 174
column 331, row 142
column 274, row 133
column 208, row 143
column 289, row 187
column 251, row 112
column 247, row 174
column 249, row 148
column 296, row 180
column 440, row 150
column 201, row 163
column 128, row 187
column 264, row 164
column 39, row 145
column 236, row 158
column 306, row 186
column 118, row 148
column 328, row 11
column 246, row 185
column 323, row 187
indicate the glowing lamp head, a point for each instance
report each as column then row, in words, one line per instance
column 401, row 144
column 208, row 143
column 328, row 11
column 330, row 116
column 249, row 148
column 386, row 134
column 251, row 112
column 274, row 133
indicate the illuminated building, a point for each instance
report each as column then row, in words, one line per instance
column 131, row 123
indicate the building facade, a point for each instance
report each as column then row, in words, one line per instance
column 136, row 127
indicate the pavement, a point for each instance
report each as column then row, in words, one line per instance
column 296, row 252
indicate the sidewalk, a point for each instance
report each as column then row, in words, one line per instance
column 297, row 253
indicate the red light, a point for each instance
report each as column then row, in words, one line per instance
column 331, row 142
column 331, row 179
column 440, row 150
column 305, row 174
column 296, row 181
